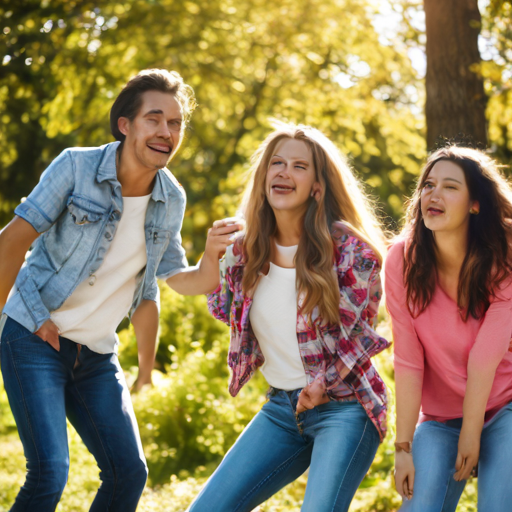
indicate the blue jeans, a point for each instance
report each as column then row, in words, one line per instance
column 44, row 386
column 434, row 453
column 336, row 440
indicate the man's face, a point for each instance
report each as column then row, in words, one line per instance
column 154, row 135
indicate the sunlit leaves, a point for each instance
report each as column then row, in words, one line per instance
column 318, row 62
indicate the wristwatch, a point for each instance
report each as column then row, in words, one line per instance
column 403, row 447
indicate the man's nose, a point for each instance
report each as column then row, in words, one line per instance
column 164, row 131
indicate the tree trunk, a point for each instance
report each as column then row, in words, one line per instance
column 455, row 92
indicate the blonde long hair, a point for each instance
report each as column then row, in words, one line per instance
column 342, row 198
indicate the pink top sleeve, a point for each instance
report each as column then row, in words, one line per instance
column 493, row 338
column 408, row 350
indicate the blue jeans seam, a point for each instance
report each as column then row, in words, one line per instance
column 280, row 468
column 446, row 491
column 101, row 443
column 29, row 423
column 356, row 451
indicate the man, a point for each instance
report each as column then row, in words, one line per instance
column 104, row 223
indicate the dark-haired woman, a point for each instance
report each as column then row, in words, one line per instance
column 449, row 293
column 300, row 291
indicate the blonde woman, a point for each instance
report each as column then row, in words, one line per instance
column 300, row 290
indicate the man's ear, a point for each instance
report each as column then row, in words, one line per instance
column 123, row 123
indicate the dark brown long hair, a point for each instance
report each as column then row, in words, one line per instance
column 487, row 262
column 342, row 198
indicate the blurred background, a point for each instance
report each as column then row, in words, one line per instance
column 385, row 80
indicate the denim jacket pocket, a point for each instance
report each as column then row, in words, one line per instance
column 80, row 216
column 84, row 211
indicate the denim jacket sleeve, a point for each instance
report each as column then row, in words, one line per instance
column 41, row 209
column 174, row 259
column 48, row 199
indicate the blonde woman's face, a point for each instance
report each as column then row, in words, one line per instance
column 291, row 176
column 445, row 201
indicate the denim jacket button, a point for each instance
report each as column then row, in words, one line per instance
column 108, row 236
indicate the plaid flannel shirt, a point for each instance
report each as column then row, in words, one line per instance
column 341, row 353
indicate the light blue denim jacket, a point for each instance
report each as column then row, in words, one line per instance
column 77, row 206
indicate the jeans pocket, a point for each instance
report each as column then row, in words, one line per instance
column 13, row 331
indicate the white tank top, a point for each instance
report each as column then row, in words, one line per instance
column 273, row 318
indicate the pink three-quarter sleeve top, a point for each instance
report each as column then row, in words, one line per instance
column 439, row 345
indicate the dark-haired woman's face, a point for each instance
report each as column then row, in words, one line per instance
column 445, row 200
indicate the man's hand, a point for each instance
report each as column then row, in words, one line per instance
column 220, row 235
column 140, row 382
column 468, row 452
column 49, row 332
column 312, row 395
column 204, row 277
column 404, row 474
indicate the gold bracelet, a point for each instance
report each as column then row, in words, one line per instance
column 404, row 447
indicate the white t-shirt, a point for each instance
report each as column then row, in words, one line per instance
column 273, row 317
column 92, row 313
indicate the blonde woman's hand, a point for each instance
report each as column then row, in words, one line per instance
column 404, row 474
column 312, row 395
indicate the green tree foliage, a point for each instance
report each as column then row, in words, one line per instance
column 312, row 61
column 320, row 62
column 497, row 70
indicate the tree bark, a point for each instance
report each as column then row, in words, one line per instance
column 455, row 92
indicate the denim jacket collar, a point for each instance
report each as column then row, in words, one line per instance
column 107, row 171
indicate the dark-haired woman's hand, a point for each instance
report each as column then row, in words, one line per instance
column 404, row 474
column 468, row 453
